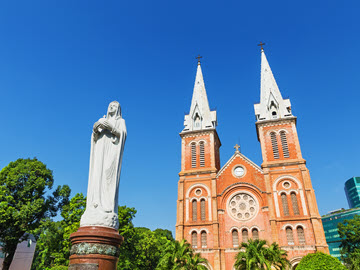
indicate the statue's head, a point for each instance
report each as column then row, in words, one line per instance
column 114, row 109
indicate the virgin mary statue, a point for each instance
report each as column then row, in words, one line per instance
column 107, row 146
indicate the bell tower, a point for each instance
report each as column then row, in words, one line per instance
column 200, row 161
column 286, row 176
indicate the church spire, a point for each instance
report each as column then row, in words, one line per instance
column 272, row 105
column 200, row 116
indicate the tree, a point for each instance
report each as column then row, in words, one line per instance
column 255, row 254
column 349, row 231
column 180, row 256
column 353, row 260
column 53, row 244
column 319, row 261
column 23, row 205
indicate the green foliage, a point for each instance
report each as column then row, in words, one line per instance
column 353, row 260
column 349, row 231
column 23, row 204
column 320, row 261
column 53, row 245
column 180, row 256
column 142, row 247
column 255, row 254
column 60, row 267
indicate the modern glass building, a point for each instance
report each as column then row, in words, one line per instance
column 330, row 222
column 352, row 191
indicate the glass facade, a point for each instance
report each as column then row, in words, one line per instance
column 330, row 222
column 352, row 191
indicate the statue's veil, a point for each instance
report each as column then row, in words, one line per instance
column 118, row 111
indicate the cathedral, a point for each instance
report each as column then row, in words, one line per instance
column 219, row 207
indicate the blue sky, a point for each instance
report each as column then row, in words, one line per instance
column 62, row 62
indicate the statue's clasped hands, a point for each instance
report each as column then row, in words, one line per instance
column 102, row 123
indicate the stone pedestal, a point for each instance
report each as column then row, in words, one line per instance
column 94, row 248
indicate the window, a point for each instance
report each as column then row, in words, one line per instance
column 202, row 154
column 197, row 122
column 274, row 144
column 285, row 204
column 193, row 155
column 203, row 239
column 194, row 239
column 245, row 235
column 194, row 210
column 202, row 209
column 301, row 235
column 235, row 238
column 289, row 236
column 255, row 234
column 284, row 144
column 294, row 203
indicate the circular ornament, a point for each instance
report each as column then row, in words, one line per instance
column 239, row 171
column 242, row 206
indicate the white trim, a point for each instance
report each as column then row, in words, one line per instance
column 187, row 197
column 204, row 229
column 288, row 192
column 286, row 182
column 302, row 197
column 286, row 177
column 294, row 227
column 233, row 228
column 255, row 227
column 277, row 207
column 197, row 190
column 196, row 141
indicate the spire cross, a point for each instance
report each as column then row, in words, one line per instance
column 261, row 45
column 198, row 58
column 237, row 147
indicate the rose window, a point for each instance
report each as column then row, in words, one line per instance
column 242, row 206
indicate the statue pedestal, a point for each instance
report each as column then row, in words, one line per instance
column 94, row 248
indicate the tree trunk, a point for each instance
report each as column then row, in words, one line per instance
column 9, row 258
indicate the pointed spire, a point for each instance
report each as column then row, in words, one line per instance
column 272, row 105
column 200, row 116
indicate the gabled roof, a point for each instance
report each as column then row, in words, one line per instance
column 238, row 154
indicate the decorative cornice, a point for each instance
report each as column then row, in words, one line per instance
column 275, row 122
column 94, row 248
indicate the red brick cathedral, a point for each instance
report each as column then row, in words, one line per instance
column 220, row 207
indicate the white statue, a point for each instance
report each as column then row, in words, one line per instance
column 107, row 146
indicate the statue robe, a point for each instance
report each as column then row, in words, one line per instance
column 104, row 176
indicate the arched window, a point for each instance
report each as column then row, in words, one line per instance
column 255, row 234
column 274, row 144
column 301, row 235
column 284, row 144
column 245, row 235
column 203, row 239
column 193, row 155
column 194, row 239
column 289, row 236
column 202, row 209
column 202, row 154
column 194, row 210
column 285, row 204
column 197, row 121
column 235, row 238
column 294, row 203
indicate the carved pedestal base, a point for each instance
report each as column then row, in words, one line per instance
column 94, row 248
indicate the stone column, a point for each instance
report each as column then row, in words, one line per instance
column 94, row 248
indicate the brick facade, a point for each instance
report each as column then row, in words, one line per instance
column 275, row 202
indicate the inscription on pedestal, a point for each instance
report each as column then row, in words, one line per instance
column 84, row 266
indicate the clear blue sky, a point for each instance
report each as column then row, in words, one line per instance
column 62, row 62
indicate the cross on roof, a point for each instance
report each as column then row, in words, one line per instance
column 237, row 147
column 261, row 45
column 198, row 58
